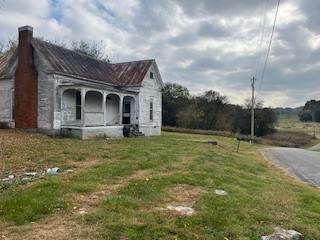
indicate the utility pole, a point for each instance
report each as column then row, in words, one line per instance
column 252, row 110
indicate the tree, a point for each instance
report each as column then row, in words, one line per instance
column 212, row 105
column 265, row 119
column 310, row 111
column 190, row 117
column 10, row 46
column 97, row 50
column 175, row 98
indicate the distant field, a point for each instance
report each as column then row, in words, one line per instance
column 127, row 188
column 294, row 125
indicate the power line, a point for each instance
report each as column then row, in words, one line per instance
column 268, row 52
column 262, row 27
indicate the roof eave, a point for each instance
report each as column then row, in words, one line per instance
column 81, row 78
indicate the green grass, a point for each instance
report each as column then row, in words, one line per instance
column 141, row 177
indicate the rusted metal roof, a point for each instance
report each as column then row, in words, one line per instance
column 131, row 73
column 5, row 62
column 65, row 61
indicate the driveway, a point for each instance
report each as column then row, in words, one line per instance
column 300, row 163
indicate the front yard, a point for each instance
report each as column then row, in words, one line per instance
column 133, row 189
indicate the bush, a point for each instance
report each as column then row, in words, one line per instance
column 287, row 139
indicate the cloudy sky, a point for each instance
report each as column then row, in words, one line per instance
column 201, row 44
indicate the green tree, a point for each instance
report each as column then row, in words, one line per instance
column 265, row 119
column 190, row 117
column 212, row 105
column 310, row 111
column 175, row 98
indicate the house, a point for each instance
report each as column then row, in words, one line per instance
column 61, row 92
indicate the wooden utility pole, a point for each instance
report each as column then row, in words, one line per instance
column 252, row 110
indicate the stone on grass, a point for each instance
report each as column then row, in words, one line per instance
column 11, row 176
column 220, row 192
column 182, row 209
column 282, row 234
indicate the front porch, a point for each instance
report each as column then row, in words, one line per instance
column 89, row 113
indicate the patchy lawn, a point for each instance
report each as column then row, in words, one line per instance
column 128, row 188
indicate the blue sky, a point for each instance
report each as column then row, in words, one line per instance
column 202, row 44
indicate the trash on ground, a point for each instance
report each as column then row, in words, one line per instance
column 54, row 170
column 30, row 174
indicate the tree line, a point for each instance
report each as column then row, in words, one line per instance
column 212, row 111
column 310, row 112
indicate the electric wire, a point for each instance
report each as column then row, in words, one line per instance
column 269, row 47
column 262, row 27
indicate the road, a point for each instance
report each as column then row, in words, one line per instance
column 300, row 163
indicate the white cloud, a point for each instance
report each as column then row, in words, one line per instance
column 203, row 45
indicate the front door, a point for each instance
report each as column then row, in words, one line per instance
column 126, row 115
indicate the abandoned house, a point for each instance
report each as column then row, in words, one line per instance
column 58, row 91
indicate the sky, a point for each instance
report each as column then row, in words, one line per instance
column 201, row 44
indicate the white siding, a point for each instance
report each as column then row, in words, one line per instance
column 6, row 87
column 150, row 91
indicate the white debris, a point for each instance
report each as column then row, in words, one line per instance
column 220, row 192
column 182, row 209
column 282, row 234
column 54, row 170
column 11, row 176
column 30, row 174
column 69, row 171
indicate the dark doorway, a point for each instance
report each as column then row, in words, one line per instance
column 126, row 112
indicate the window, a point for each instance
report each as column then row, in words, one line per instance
column 78, row 105
column 151, row 111
column 12, row 105
column 151, row 75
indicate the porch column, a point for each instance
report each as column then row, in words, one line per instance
column 120, row 109
column 104, row 108
column 83, row 108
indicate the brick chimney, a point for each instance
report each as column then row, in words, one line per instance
column 26, row 82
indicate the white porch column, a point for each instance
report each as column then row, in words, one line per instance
column 104, row 108
column 83, row 108
column 120, row 109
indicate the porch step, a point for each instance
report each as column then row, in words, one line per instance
column 132, row 131
column 137, row 133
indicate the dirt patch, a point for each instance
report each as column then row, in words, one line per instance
column 181, row 196
column 185, row 194
column 57, row 227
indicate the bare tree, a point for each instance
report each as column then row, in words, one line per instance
column 98, row 50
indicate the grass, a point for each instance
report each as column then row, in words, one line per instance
column 294, row 125
column 126, row 186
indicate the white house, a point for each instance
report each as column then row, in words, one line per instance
column 61, row 92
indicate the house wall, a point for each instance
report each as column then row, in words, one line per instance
column 6, row 87
column 150, row 91
column 69, row 107
column 112, row 108
column 46, row 97
column 93, row 109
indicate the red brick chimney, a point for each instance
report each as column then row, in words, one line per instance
column 26, row 82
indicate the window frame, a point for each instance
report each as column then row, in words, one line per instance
column 151, row 110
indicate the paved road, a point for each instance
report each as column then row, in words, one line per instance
column 300, row 163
